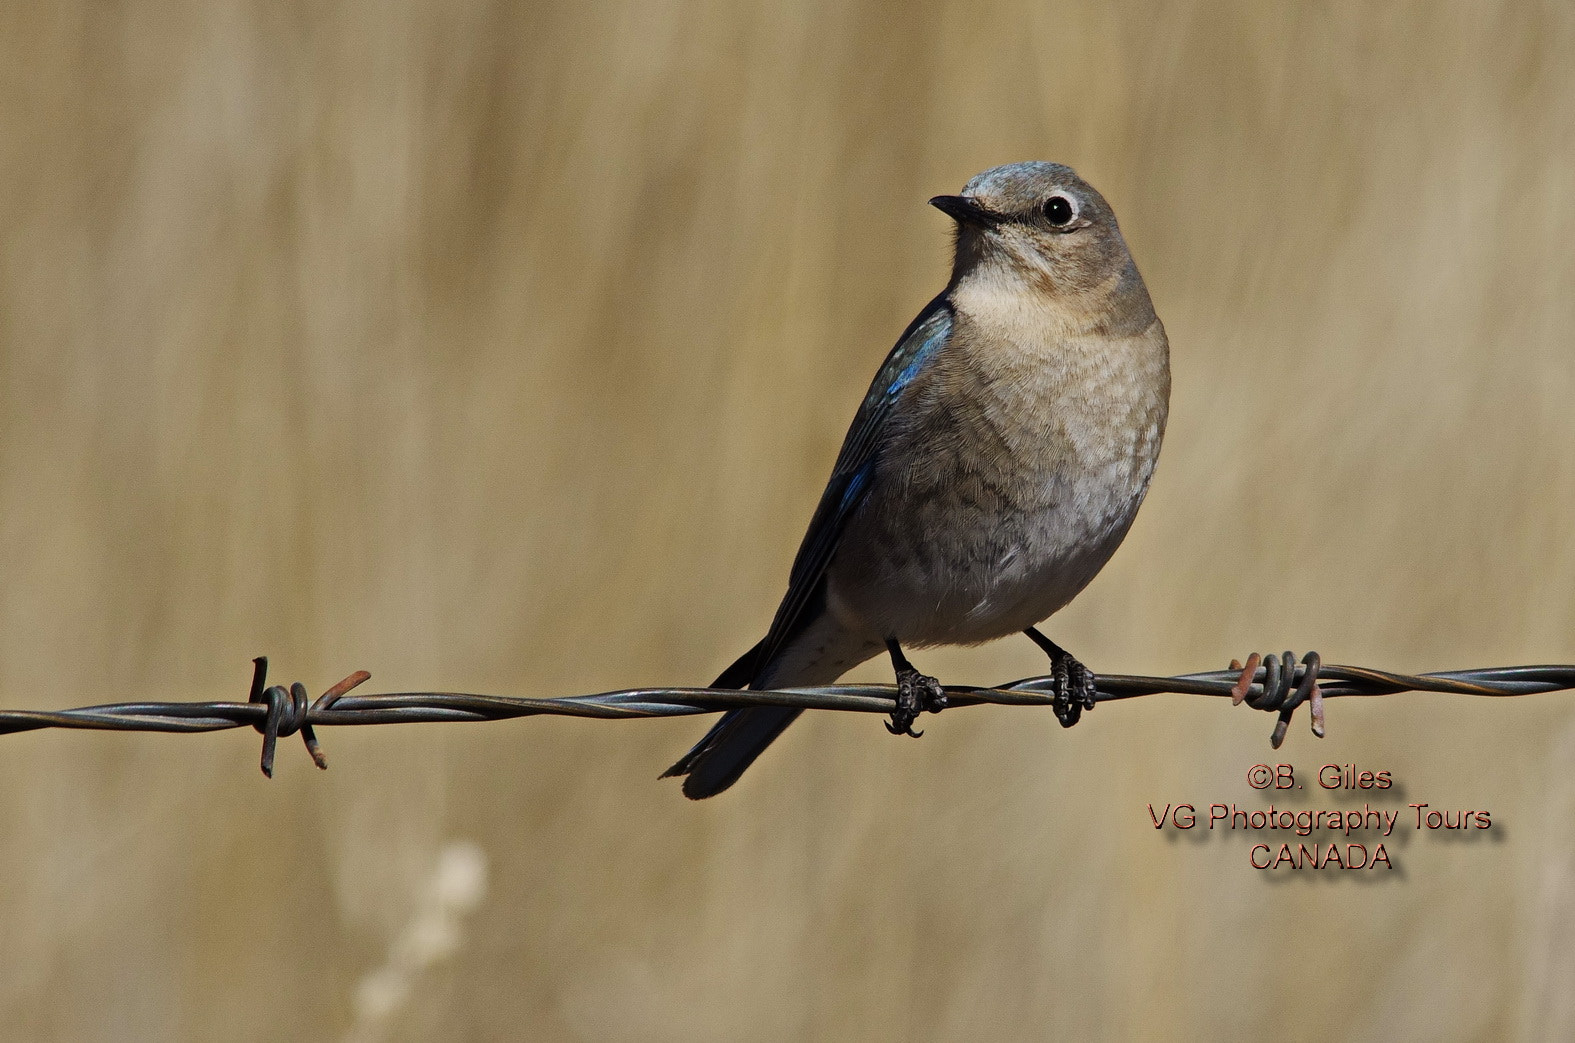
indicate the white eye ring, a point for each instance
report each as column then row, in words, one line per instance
column 1060, row 210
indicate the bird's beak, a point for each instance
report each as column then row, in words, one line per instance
column 966, row 211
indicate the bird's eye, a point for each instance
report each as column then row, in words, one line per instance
column 1059, row 210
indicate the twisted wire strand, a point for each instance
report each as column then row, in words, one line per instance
column 1276, row 684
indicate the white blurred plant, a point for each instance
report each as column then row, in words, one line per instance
column 456, row 888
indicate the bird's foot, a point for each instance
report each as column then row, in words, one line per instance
column 1074, row 688
column 916, row 693
column 1074, row 682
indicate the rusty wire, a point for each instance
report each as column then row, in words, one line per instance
column 1278, row 684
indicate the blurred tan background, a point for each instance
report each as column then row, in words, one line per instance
column 505, row 347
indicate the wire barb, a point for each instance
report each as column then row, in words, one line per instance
column 289, row 712
column 1277, row 684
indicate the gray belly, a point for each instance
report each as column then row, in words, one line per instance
column 976, row 538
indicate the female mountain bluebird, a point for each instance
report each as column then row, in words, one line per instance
column 993, row 468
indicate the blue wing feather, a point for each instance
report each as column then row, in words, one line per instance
column 849, row 482
column 734, row 742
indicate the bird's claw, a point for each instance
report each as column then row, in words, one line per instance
column 916, row 693
column 1074, row 688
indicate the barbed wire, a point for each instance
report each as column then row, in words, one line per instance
column 1276, row 684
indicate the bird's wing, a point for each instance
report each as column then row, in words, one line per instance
column 850, row 477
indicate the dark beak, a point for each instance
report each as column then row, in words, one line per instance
column 966, row 211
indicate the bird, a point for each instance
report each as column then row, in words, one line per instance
column 991, row 470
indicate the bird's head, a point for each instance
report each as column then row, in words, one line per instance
column 1043, row 225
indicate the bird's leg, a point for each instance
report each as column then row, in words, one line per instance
column 916, row 693
column 1074, row 682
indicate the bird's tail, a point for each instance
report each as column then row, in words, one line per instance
column 819, row 652
column 734, row 742
column 729, row 748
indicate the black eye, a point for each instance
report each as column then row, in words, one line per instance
column 1058, row 210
